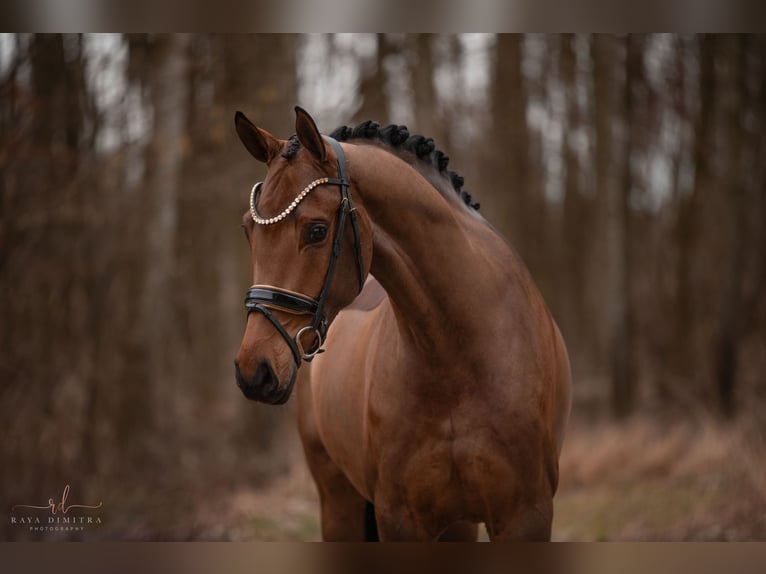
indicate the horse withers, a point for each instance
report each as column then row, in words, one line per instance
column 433, row 385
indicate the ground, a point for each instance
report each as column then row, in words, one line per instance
column 637, row 480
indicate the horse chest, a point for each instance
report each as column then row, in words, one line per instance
column 423, row 453
column 444, row 473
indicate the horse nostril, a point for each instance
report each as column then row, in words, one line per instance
column 263, row 384
column 264, row 378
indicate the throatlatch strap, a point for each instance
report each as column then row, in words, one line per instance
column 350, row 210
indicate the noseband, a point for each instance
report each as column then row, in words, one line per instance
column 263, row 298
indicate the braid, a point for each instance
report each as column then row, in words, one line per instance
column 399, row 138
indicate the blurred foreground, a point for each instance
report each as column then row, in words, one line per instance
column 645, row 479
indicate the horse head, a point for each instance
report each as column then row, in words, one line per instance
column 310, row 246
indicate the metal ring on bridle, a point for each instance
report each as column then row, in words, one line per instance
column 318, row 349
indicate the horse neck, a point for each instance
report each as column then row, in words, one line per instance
column 434, row 258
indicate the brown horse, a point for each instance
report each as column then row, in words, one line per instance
column 444, row 392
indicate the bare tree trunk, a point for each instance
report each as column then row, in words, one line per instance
column 509, row 141
column 756, row 186
column 426, row 110
column 619, row 240
column 574, row 213
column 686, row 224
column 168, row 87
column 372, row 88
column 611, row 266
column 602, row 276
column 740, row 166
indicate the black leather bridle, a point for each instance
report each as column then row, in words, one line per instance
column 263, row 298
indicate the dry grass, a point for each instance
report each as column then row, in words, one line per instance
column 652, row 480
column 641, row 480
column 287, row 509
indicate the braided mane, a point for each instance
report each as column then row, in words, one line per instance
column 399, row 139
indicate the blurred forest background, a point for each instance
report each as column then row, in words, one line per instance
column 628, row 171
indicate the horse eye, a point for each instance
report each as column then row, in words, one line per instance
column 316, row 232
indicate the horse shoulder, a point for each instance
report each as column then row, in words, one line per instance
column 340, row 384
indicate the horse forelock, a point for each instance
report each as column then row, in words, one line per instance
column 293, row 145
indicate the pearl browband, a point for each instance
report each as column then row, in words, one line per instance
column 277, row 218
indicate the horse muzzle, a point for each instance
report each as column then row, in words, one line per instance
column 264, row 386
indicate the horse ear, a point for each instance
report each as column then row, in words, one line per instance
column 261, row 144
column 308, row 134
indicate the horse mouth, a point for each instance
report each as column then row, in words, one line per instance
column 281, row 397
column 278, row 396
